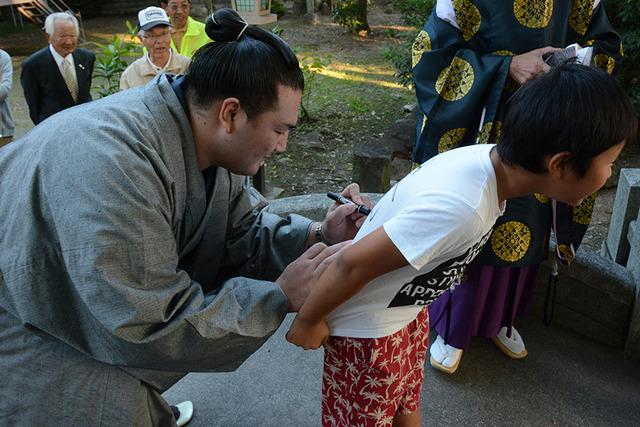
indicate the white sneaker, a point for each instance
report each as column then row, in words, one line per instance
column 511, row 346
column 186, row 412
column 444, row 357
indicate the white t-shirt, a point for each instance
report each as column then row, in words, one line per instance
column 438, row 217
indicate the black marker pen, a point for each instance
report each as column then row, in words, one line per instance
column 341, row 199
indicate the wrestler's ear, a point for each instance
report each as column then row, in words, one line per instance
column 228, row 113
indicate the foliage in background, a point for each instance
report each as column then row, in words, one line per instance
column 352, row 14
column 414, row 13
column 110, row 61
column 278, row 7
column 625, row 18
column 310, row 66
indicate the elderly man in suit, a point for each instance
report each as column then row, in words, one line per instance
column 58, row 76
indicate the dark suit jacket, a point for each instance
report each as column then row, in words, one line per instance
column 44, row 88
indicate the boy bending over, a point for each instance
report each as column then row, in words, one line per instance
column 560, row 137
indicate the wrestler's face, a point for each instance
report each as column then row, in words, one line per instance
column 256, row 140
column 226, row 137
column 65, row 38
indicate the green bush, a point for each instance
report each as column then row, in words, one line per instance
column 278, row 7
column 351, row 14
column 110, row 62
column 625, row 16
column 414, row 12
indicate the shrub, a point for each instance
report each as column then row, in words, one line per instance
column 278, row 7
column 110, row 62
column 311, row 67
column 414, row 13
column 624, row 16
column 351, row 14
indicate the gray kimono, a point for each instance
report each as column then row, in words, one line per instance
column 116, row 276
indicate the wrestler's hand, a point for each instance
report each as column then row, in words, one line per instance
column 342, row 221
column 295, row 281
column 307, row 335
column 529, row 65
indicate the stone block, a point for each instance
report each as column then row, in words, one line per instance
column 401, row 136
column 595, row 297
column 372, row 167
column 625, row 209
column 632, row 347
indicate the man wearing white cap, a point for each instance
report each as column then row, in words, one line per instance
column 155, row 36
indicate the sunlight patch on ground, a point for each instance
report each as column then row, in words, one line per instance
column 360, row 79
column 370, row 74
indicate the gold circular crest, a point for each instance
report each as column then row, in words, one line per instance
column 542, row 198
column 497, row 131
column 567, row 253
column 451, row 139
column 421, row 45
column 485, row 133
column 581, row 11
column 455, row 81
column 511, row 240
column 468, row 18
column 605, row 62
column 533, row 13
column 582, row 213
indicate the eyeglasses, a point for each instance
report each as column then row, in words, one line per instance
column 157, row 37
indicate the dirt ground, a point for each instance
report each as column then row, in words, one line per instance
column 298, row 172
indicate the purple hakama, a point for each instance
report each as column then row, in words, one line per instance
column 488, row 299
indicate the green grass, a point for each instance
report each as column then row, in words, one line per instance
column 352, row 101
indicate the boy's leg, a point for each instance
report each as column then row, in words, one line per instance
column 408, row 414
column 407, row 420
column 371, row 381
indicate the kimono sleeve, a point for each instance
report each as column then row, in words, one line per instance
column 458, row 86
column 260, row 244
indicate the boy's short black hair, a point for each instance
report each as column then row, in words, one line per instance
column 572, row 108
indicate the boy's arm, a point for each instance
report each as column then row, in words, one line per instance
column 354, row 267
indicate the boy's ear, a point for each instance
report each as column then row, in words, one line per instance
column 558, row 164
column 228, row 113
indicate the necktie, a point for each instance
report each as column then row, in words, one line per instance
column 69, row 79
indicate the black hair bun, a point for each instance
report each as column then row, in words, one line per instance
column 224, row 25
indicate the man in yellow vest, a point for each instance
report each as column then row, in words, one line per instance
column 187, row 34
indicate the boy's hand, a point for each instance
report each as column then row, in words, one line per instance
column 296, row 280
column 309, row 336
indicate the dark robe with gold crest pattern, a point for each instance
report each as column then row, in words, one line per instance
column 461, row 64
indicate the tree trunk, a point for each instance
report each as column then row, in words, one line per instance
column 363, row 23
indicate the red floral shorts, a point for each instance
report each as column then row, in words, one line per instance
column 367, row 381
